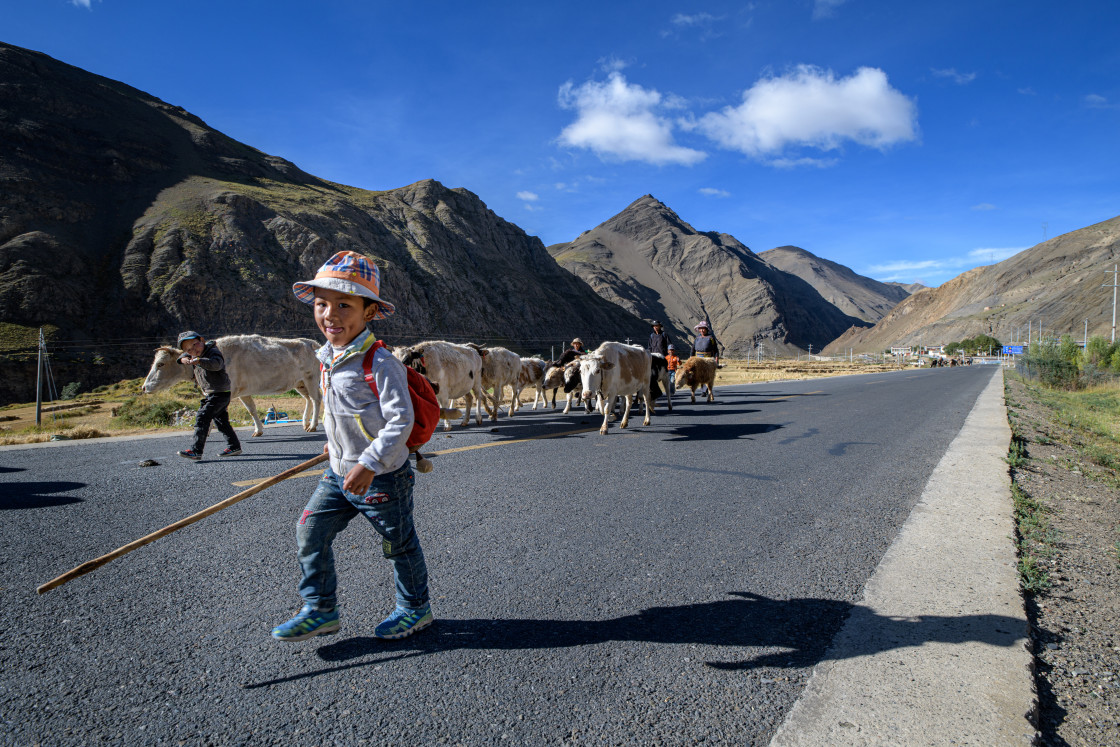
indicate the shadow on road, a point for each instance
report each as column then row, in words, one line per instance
column 804, row 627
column 717, row 431
column 19, row 495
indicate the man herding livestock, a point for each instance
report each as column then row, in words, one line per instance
column 368, row 419
column 212, row 379
column 658, row 340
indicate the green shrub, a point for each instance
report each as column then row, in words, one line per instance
column 70, row 391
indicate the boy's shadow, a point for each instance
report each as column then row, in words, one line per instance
column 803, row 627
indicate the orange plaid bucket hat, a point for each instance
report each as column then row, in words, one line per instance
column 347, row 272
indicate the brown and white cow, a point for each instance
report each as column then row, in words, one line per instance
column 616, row 370
column 531, row 375
column 256, row 365
column 455, row 369
column 697, row 371
column 500, row 368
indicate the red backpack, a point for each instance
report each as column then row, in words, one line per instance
column 424, row 403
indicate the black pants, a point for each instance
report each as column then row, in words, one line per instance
column 214, row 409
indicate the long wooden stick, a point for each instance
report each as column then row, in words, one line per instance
column 88, row 566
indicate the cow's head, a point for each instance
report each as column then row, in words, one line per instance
column 591, row 369
column 571, row 376
column 166, row 370
column 686, row 376
column 412, row 357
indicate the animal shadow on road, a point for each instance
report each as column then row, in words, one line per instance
column 19, row 495
column 718, row 431
column 803, row 627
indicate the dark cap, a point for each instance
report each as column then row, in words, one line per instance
column 188, row 335
column 657, row 324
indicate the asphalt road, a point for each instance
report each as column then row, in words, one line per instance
column 664, row 584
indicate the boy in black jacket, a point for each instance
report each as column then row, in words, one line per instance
column 211, row 377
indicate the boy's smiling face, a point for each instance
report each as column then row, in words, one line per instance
column 193, row 347
column 340, row 316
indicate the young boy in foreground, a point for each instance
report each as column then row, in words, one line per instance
column 369, row 471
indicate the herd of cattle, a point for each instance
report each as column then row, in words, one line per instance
column 479, row 375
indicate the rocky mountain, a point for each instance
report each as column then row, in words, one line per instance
column 853, row 294
column 124, row 219
column 1056, row 284
column 910, row 288
column 650, row 262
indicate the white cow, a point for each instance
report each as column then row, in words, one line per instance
column 256, row 365
column 531, row 375
column 455, row 369
column 616, row 370
column 500, row 368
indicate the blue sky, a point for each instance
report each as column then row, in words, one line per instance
column 909, row 141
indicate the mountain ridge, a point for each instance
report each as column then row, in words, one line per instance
column 855, row 295
column 1056, row 283
column 654, row 264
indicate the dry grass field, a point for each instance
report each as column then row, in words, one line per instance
column 91, row 415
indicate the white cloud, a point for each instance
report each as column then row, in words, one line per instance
column 794, row 163
column 618, row 121
column 528, row 196
column 810, row 107
column 612, row 64
column 995, row 255
column 1096, row 101
column 959, row 78
column 825, row 8
column 698, row 19
column 905, row 270
column 984, row 206
column 909, row 266
column 87, row 4
column 1028, row 91
column 713, row 192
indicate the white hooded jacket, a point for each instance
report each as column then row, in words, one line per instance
column 363, row 428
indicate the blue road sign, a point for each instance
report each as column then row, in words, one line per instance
column 1012, row 349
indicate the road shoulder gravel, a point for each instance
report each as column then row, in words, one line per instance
column 936, row 652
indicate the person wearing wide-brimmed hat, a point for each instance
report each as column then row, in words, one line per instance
column 658, row 340
column 577, row 346
column 368, row 416
column 705, row 346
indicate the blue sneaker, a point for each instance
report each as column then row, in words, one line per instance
column 307, row 624
column 403, row 622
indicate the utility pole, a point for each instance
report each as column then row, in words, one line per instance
column 1113, row 286
column 1029, row 333
column 39, row 384
column 811, row 351
column 1085, row 339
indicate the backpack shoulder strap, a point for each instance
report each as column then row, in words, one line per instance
column 367, row 366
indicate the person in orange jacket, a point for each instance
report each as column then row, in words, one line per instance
column 673, row 362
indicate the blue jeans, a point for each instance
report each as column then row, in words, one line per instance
column 388, row 507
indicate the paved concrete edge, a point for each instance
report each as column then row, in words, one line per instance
column 937, row 651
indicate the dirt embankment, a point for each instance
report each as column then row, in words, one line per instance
column 1075, row 618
